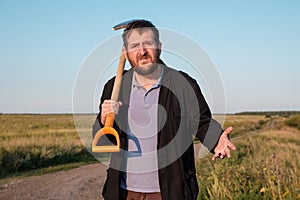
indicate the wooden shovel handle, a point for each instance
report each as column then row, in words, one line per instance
column 118, row 79
column 110, row 117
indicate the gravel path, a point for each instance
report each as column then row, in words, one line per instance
column 80, row 183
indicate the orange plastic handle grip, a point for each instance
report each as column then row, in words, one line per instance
column 107, row 129
column 108, row 148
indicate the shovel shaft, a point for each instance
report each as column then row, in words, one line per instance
column 110, row 117
column 118, row 79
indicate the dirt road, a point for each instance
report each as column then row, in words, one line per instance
column 80, row 183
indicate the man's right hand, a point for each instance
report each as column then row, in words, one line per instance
column 109, row 106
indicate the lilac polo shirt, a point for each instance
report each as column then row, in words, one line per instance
column 142, row 173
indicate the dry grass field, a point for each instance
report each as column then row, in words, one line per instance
column 31, row 141
column 265, row 165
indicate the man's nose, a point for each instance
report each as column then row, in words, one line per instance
column 143, row 50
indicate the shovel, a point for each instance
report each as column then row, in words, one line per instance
column 110, row 117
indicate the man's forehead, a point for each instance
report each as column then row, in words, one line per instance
column 138, row 32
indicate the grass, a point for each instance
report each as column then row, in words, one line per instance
column 293, row 121
column 29, row 142
column 245, row 123
column 265, row 165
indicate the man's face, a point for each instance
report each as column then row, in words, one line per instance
column 142, row 51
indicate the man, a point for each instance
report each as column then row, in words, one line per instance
column 158, row 113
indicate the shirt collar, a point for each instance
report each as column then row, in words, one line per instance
column 156, row 84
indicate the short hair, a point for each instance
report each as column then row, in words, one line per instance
column 140, row 24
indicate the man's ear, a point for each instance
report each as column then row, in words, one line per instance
column 124, row 52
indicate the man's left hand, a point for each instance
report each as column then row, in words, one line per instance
column 224, row 145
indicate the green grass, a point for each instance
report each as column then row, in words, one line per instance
column 265, row 166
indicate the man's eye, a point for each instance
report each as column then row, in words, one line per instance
column 133, row 46
column 149, row 44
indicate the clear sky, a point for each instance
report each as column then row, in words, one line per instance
column 255, row 46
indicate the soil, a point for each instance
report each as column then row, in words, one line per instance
column 85, row 182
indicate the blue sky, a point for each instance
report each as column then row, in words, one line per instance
column 255, row 46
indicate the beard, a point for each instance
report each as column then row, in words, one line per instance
column 145, row 68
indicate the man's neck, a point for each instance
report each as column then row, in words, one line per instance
column 148, row 80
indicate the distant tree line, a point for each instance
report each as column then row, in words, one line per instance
column 270, row 113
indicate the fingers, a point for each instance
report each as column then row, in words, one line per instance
column 109, row 106
column 224, row 146
column 231, row 146
column 228, row 130
column 217, row 155
column 222, row 154
column 226, row 140
column 227, row 152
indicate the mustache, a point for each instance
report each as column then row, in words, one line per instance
column 144, row 56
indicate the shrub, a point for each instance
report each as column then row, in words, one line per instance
column 293, row 121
